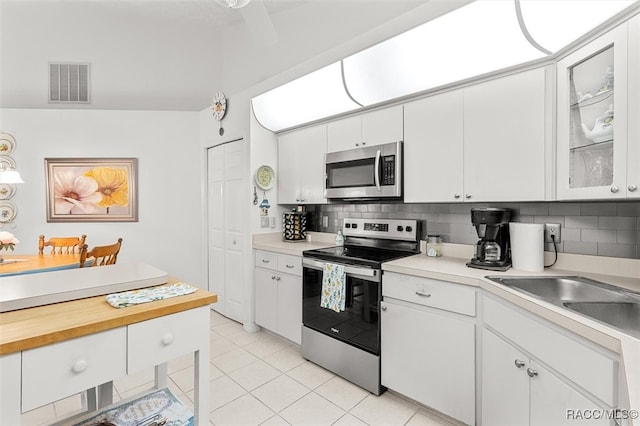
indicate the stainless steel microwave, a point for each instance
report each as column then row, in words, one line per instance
column 364, row 173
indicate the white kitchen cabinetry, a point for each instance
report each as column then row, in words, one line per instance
column 371, row 128
column 301, row 166
column 597, row 118
column 485, row 142
column 428, row 343
column 433, row 149
column 278, row 294
column 533, row 372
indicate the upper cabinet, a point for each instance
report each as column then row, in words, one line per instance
column 371, row 128
column 597, row 143
column 301, row 166
column 486, row 142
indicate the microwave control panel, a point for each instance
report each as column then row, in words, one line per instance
column 388, row 170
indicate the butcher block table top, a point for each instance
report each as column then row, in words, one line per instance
column 17, row 264
column 43, row 325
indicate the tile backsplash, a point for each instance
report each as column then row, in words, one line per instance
column 591, row 228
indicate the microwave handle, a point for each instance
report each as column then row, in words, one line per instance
column 377, row 167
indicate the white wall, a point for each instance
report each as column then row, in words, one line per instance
column 167, row 234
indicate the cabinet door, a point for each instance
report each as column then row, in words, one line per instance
column 433, row 140
column 554, row 402
column 429, row 357
column 382, row 126
column 290, row 307
column 266, row 294
column 288, row 174
column 504, row 138
column 311, row 164
column 344, row 134
column 633, row 136
column 592, row 142
column 505, row 384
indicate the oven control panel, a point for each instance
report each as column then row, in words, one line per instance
column 395, row 229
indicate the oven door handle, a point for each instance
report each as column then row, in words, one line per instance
column 362, row 273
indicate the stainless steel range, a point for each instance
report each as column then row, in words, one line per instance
column 342, row 333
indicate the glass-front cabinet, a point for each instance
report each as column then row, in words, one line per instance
column 593, row 120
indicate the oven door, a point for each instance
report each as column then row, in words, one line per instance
column 359, row 324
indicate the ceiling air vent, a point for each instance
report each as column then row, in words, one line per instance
column 69, row 83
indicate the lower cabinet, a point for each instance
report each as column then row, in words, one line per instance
column 541, row 377
column 428, row 343
column 278, row 294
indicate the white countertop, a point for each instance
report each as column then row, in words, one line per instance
column 452, row 267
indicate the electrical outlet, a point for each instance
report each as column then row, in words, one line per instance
column 551, row 229
column 325, row 221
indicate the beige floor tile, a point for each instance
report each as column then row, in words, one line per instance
column 243, row 411
column 218, row 319
column 342, row 392
column 184, row 379
column 242, row 339
column 214, row 372
column 233, row 360
column 126, row 383
column 349, row 420
column 254, row 375
column 228, row 328
column 285, row 359
column 280, row 392
column 222, row 391
column 180, row 363
column 312, row 410
column 265, row 346
column 275, row 421
column 310, row 374
column 423, row 418
column 384, row 410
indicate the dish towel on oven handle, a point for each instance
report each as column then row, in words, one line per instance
column 334, row 286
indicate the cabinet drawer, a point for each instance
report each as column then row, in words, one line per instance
column 266, row 259
column 72, row 366
column 557, row 348
column 161, row 339
column 428, row 292
column 290, row 264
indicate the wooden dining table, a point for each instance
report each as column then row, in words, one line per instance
column 18, row 264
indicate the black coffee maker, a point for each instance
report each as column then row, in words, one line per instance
column 492, row 250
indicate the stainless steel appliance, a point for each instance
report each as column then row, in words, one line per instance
column 364, row 173
column 493, row 250
column 348, row 342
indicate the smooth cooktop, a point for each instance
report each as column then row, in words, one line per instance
column 356, row 255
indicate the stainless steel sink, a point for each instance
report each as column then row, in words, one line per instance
column 614, row 306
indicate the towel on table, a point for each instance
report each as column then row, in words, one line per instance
column 135, row 297
column 333, row 287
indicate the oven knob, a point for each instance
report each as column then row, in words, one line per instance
column 399, row 228
column 354, row 226
column 408, row 229
column 347, row 225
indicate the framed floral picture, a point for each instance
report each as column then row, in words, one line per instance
column 91, row 189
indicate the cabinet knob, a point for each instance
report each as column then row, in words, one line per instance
column 614, row 189
column 273, row 277
column 519, row 363
column 384, row 308
column 467, row 196
column 456, row 196
column 632, row 188
column 278, row 278
column 167, row 339
column 364, row 143
column 531, row 372
column 357, row 144
column 79, row 366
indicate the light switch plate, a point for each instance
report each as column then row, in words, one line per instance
column 264, row 221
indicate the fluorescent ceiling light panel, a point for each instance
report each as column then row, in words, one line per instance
column 555, row 24
column 481, row 37
column 308, row 98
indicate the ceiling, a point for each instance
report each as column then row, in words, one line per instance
column 172, row 54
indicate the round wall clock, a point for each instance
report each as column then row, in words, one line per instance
column 219, row 105
column 265, row 177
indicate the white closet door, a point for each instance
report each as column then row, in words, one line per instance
column 226, row 170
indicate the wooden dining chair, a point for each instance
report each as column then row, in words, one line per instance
column 61, row 245
column 102, row 255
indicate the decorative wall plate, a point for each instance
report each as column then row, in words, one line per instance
column 7, row 143
column 7, row 190
column 265, row 177
column 7, row 162
column 8, row 212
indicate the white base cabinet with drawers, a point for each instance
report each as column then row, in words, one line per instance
column 278, row 293
column 536, row 374
column 428, row 343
